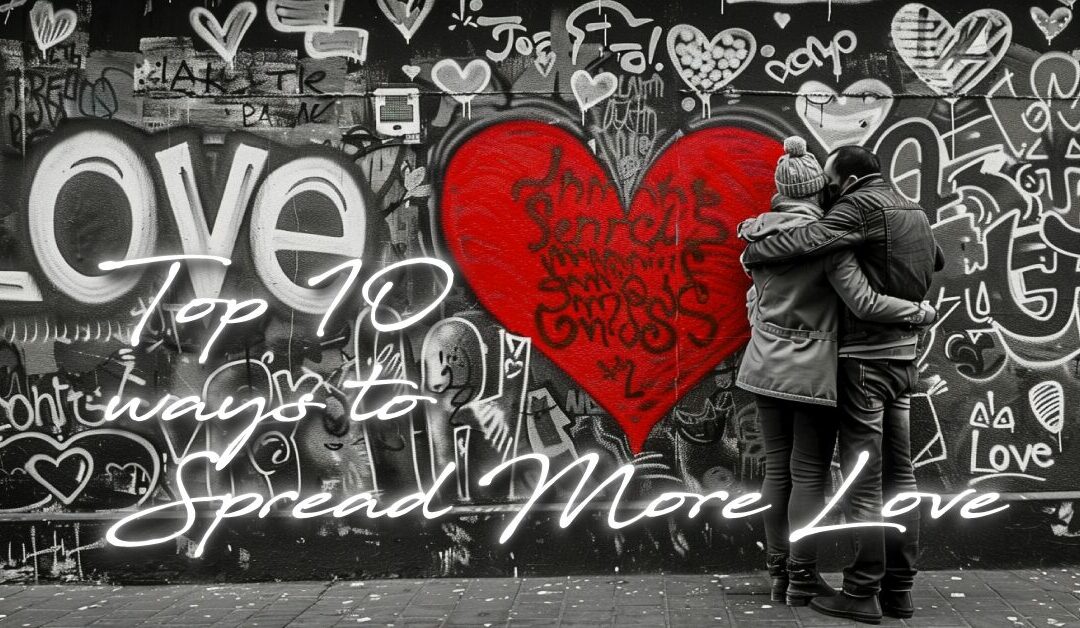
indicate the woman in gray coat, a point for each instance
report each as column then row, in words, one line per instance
column 790, row 366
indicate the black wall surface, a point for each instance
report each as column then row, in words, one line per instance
column 579, row 169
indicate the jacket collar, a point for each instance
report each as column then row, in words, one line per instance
column 862, row 182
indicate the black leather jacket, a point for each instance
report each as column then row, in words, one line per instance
column 891, row 237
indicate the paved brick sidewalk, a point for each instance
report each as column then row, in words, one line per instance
column 944, row 599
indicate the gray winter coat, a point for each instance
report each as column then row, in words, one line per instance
column 795, row 317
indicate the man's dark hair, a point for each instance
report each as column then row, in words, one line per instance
column 854, row 161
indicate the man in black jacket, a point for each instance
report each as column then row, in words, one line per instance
column 892, row 238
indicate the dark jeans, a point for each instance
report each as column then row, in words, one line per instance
column 875, row 416
column 799, row 441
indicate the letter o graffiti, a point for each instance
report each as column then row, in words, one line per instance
column 999, row 458
column 318, row 175
column 107, row 155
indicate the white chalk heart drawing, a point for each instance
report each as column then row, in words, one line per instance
column 462, row 84
column 49, row 26
column 64, row 468
column 848, row 118
column 782, row 19
column 411, row 71
column 707, row 65
column 133, row 473
column 1051, row 25
column 65, row 480
column 590, row 90
column 224, row 38
column 406, row 15
column 544, row 62
column 950, row 59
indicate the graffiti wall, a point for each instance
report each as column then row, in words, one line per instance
column 375, row 249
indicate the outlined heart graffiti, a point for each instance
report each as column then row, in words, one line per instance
column 49, row 26
column 719, row 60
column 1051, row 25
column 850, row 117
column 223, row 38
column 635, row 315
column 590, row 90
column 461, row 84
column 75, row 470
column 406, row 15
column 950, row 59
column 65, row 476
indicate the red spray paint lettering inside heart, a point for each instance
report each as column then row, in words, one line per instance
column 637, row 303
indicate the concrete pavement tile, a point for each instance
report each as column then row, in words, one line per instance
column 535, row 611
column 479, row 616
column 428, row 610
column 696, row 618
column 639, row 611
column 809, row 617
column 988, row 620
column 983, row 604
column 581, row 615
column 33, row 616
column 758, row 607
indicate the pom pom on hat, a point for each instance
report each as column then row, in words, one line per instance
column 798, row 173
column 795, row 146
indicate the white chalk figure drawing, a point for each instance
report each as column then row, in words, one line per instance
column 49, row 26
column 406, row 15
column 709, row 65
column 224, row 38
column 590, row 90
column 1051, row 24
column 1047, row 400
column 848, row 118
column 462, row 83
column 935, row 449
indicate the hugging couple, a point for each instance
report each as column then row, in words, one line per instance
column 841, row 266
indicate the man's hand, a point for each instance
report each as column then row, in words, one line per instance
column 929, row 314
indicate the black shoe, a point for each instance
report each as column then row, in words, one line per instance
column 804, row 584
column 864, row 609
column 897, row 604
column 777, row 564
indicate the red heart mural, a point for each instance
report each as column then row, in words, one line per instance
column 636, row 303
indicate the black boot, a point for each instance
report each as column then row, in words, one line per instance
column 864, row 609
column 777, row 564
column 896, row 604
column 805, row 583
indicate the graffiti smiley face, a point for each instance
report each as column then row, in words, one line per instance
column 453, row 361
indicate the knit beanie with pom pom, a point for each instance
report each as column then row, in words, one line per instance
column 798, row 173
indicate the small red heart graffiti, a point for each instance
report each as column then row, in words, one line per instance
column 637, row 303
